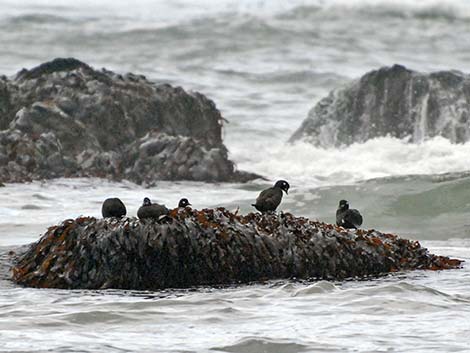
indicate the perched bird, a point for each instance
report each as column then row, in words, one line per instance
column 183, row 203
column 113, row 207
column 151, row 210
column 269, row 199
column 347, row 218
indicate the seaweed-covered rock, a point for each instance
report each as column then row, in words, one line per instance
column 211, row 247
column 64, row 118
column 392, row 101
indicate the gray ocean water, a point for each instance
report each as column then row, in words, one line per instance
column 265, row 64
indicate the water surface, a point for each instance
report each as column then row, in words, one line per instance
column 265, row 64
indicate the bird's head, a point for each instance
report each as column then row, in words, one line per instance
column 184, row 203
column 283, row 185
column 147, row 202
column 344, row 205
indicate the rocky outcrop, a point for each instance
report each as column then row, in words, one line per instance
column 63, row 118
column 211, row 247
column 392, row 101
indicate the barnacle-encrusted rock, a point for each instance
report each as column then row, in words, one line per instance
column 64, row 118
column 211, row 247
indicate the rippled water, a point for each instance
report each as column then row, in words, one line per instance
column 419, row 312
column 265, row 64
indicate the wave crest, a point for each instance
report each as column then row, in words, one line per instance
column 380, row 157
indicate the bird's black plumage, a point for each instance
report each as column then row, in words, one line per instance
column 113, row 207
column 183, row 203
column 269, row 199
column 346, row 217
column 151, row 210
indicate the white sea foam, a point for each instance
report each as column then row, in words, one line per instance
column 379, row 157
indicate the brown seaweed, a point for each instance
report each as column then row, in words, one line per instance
column 212, row 247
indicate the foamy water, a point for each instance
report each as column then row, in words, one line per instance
column 380, row 157
column 265, row 64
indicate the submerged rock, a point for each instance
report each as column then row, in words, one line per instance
column 392, row 101
column 211, row 247
column 64, row 118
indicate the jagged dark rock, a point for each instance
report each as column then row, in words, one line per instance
column 63, row 118
column 392, row 101
column 211, row 247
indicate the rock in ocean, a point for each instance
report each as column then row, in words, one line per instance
column 392, row 101
column 210, row 247
column 64, row 118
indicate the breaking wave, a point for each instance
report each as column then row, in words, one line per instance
column 375, row 158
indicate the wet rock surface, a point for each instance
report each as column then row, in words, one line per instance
column 64, row 118
column 392, row 101
column 211, row 247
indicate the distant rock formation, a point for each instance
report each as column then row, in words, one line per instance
column 392, row 101
column 63, row 118
column 210, row 247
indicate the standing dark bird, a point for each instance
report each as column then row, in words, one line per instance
column 183, row 203
column 113, row 207
column 151, row 210
column 269, row 199
column 347, row 218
